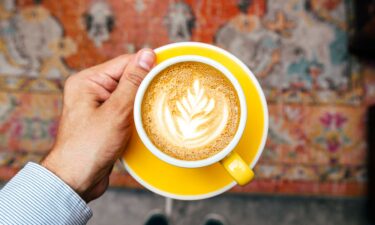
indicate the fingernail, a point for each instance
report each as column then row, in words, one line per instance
column 146, row 59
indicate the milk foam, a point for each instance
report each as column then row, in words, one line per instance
column 190, row 111
column 198, row 120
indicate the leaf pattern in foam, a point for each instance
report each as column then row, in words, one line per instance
column 198, row 119
column 193, row 112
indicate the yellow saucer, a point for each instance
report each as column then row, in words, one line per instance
column 199, row 183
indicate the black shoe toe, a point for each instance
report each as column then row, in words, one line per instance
column 157, row 219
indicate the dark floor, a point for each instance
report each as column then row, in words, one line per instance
column 127, row 207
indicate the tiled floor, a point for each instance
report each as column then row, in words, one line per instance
column 128, row 207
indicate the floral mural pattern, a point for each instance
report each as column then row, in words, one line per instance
column 317, row 92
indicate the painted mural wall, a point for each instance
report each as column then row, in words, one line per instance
column 317, row 92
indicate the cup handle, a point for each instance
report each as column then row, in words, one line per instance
column 237, row 168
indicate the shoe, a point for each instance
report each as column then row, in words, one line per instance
column 157, row 218
column 215, row 219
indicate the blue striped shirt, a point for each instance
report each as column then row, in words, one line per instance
column 37, row 196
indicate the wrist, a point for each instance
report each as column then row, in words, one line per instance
column 65, row 173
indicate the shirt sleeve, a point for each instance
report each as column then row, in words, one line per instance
column 37, row 196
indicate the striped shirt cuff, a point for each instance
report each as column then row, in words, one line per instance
column 37, row 196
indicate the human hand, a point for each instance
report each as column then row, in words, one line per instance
column 96, row 122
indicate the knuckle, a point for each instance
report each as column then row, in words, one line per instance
column 90, row 85
column 108, row 82
column 124, row 56
column 135, row 76
column 103, row 80
column 103, row 93
column 71, row 82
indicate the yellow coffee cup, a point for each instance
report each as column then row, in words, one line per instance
column 230, row 160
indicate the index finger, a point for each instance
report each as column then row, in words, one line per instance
column 113, row 68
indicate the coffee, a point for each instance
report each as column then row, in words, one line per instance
column 190, row 111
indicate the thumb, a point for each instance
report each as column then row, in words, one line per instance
column 136, row 70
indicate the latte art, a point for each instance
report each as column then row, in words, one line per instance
column 190, row 111
column 197, row 121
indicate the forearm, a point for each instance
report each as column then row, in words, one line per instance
column 37, row 196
